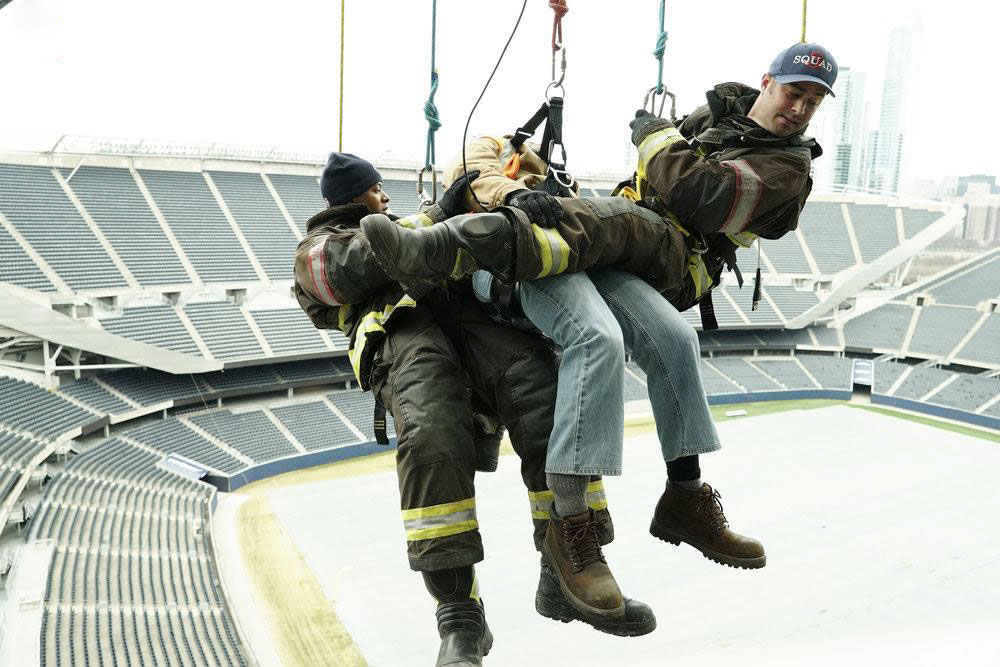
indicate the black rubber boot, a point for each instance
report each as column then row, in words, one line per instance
column 449, row 249
column 552, row 603
column 465, row 636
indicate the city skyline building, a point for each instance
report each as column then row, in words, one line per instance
column 840, row 133
column 897, row 109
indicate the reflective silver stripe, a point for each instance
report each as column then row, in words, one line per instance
column 317, row 271
column 541, row 504
column 553, row 248
column 441, row 520
column 744, row 239
column 597, row 500
column 748, row 189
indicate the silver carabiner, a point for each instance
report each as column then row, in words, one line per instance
column 562, row 67
column 421, row 193
column 560, row 173
column 649, row 102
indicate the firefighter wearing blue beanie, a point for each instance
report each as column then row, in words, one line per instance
column 345, row 177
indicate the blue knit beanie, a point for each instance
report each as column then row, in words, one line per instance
column 345, row 177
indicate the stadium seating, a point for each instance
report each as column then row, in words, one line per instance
column 155, row 325
column 920, row 381
column 716, row 383
column 786, row 254
column 117, row 206
column 967, row 392
column 874, row 228
column 785, row 371
column 199, row 225
column 314, row 425
column 44, row 413
column 17, row 268
column 790, row 301
column 172, row 436
column 883, row 328
column 983, row 346
column 288, row 330
column 250, row 432
column 917, row 220
column 742, row 373
column 259, row 218
column 886, row 374
column 300, row 195
column 33, row 201
column 830, row 372
column 222, row 326
column 95, row 396
column 824, row 229
column 940, row 328
column 359, row 408
column 132, row 579
column 972, row 285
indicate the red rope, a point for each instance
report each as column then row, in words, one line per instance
column 559, row 8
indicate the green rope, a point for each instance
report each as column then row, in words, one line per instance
column 661, row 45
column 430, row 109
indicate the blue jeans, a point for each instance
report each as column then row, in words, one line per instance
column 595, row 318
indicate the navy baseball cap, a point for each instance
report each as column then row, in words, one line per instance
column 805, row 62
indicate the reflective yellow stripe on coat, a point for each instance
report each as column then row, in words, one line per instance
column 373, row 322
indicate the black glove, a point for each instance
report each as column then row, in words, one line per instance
column 452, row 202
column 542, row 208
column 645, row 124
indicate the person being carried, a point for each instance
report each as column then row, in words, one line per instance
column 418, row 358
column 734, row 170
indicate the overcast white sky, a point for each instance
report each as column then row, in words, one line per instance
column 266, row 73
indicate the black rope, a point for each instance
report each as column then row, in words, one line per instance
column 465, row 132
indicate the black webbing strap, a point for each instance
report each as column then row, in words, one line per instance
column 378, row 422
column 553, row 129
column 708, row 321
column 528, row 130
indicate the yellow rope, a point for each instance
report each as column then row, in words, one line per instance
column 804, row 20
column 340, row 138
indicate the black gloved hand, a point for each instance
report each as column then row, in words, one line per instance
column 644, row 124
column 542, row 208
column 452, row 202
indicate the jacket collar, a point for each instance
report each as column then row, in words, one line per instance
column 724, row 121
column 345, row 214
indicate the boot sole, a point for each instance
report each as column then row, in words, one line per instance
column 580, row 606
column 676, row 538
column 559, row 610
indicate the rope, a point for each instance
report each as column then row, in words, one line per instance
column 465, row 132
column 803, row 39
column 661, row 46
column 559, row 8
column 430, row 109
column 340, row 135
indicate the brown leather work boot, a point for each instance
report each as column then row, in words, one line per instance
column 695, row 517
column 574, row 553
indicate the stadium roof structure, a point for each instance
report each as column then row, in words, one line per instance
column 24, row 322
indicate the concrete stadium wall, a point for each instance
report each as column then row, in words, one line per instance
column 788, row 395
column 937, row 410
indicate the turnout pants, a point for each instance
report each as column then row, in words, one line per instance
column 602, row 231
column 421, row 374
